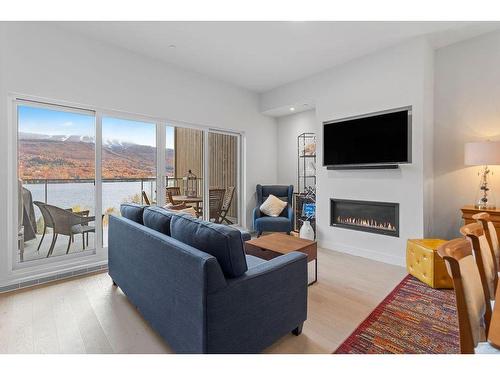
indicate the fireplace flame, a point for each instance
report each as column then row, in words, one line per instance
column 370, row 223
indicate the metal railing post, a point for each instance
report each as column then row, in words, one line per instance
column 142, row 189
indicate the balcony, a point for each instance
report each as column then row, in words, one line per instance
column 65, row 210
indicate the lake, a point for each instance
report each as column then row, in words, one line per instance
column 69, row 195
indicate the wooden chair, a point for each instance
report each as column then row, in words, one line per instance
column 170, row 199
column 145, row 198
column 215, row 201
column 491, row 234
column 484, row 257
column 226, row 205
column 175, row 190
column 473, row 306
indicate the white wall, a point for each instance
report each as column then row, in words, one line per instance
column 467, row 108
column 289, row 127
column 41, row 60
column 392, row 78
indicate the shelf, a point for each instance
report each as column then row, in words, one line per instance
column 307, row 156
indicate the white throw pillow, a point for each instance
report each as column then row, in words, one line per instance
column 273, row 206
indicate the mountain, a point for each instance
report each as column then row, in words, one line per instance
column 72, row 157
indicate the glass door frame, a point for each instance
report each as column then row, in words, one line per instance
column 17, row 102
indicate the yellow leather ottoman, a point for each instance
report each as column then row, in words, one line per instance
column 423, row 262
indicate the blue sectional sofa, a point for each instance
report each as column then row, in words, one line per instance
column 194, row 284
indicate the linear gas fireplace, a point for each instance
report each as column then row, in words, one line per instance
column 375, row 217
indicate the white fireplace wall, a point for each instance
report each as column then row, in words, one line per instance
column 396, row 77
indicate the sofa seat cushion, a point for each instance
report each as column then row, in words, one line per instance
column 254, row 261
column 223, row 242
column 273, row 224
column 132, row 212
column 158, row 218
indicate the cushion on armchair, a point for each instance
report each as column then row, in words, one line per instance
column 273, row 206
column 223, row 242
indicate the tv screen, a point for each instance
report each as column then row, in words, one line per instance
column 370, row 140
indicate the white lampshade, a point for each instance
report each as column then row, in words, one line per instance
column 482, row 153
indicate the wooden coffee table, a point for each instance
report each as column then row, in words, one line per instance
column 273, row 245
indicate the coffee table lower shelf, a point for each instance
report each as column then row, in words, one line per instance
column 273, row 245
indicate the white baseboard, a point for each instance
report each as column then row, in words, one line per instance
column 365, row 253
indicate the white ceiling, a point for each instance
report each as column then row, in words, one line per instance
column 260, row 56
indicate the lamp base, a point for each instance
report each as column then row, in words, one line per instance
column 484, row 206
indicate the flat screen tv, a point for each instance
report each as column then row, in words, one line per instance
column 380, row 140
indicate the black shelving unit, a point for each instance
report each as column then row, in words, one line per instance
column 306, row 176
column 306, row 161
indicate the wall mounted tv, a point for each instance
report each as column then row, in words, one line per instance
column 376, row 140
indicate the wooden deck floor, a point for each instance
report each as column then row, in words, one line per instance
column 89, row 315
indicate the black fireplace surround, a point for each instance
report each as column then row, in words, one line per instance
column 366, row 216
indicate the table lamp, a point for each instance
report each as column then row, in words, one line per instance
column 485, row 154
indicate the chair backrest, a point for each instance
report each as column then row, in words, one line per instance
column 145, row 198
column 484, row 257
column 175, row 190
column 491, row 233
column 228, row 198
column 215, row 200
column 63, row 220
column 170, row 199
column 284, row 192
column 47, row 218
column 473, row 307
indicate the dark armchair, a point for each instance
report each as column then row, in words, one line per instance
column 282, row 223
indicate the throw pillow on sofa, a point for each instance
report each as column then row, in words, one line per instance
column 222, row 242
column 273, row 206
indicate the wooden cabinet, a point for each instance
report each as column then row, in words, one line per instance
column 468, row 211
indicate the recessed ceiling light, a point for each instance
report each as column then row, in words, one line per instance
column 172, row 46
column 292, row 109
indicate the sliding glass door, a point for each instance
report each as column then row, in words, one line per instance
column 75, row 167
column 128, row 166
column 185, row 169
column 56, row 175
column 223, row 177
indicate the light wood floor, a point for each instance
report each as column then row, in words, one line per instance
column 89, row 315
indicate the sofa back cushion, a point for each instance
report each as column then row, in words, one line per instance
column 222, row 242
column 158, row 218
column 132, row 212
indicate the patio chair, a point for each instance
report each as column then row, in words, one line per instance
column 215, row 201
column 145, row 198
column 175, row 190
column 65, row 222
column 226, row 205
column 47, row 220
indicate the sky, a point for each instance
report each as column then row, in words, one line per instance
column 52, row 122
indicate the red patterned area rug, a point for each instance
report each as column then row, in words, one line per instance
column 413, row 318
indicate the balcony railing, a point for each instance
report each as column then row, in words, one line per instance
column 147, row 183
